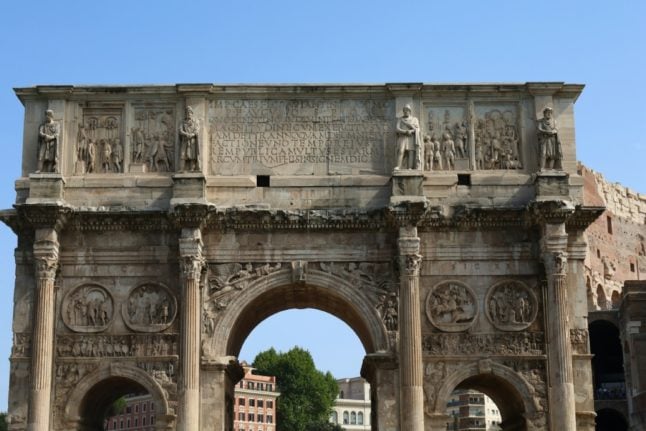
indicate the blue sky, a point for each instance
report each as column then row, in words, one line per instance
column 598, row 44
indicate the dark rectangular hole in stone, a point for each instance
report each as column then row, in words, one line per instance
column 262, row 181
column 464, row 179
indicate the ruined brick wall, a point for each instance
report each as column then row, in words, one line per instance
column 616, row 240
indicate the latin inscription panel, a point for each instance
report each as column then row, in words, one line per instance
column 300, row 137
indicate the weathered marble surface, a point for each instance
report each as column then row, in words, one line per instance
column 218, row 206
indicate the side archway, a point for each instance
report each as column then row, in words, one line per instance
column 509, row 390
column 278, row 292
column 99, row 389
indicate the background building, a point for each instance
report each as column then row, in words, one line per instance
column 255, row 402
column 351, row 409
column 615, row 261
column 472, row 410
column 138, row 415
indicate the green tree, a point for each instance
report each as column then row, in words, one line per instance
column 3, row 422
column 306, row 394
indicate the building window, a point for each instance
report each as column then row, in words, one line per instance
column 136, row 408
column 241, row 416
column 152, row 406
column 252, row 402
column 632, row 267
column 152, row 420
column 270, row 419
column 334, row 417
column 261, row 418
column 250, row 385
column 353, row 418
column 251, row 417
column 270, row 404
column 241, row 401
column 609, row 221
column 261, row 387
column 114, row 425
column 128, row 423
column 346, row 418
column 143, row 407
column 360, row 418
column 270, row 387
column 120, row 424
column 136, row 422
column 261, row 403
column 143, row 421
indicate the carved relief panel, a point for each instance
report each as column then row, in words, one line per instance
column 497, row 137
column 153, row 139
column 88, row 308
column 99, row 144
column 150, row 307
column 446, row 138
column 451, row 306
column 511, row 306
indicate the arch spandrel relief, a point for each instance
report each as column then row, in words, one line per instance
column 451, row 306
column 88, row 308
column 511, row 306
column 150, row 307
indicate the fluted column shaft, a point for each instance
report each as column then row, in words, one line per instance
column 562, row 402
column 410, row 332
column 191, row 262
column 46, row 264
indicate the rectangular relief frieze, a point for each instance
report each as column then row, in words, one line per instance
column 300, row 137
column 153, row 137
column 99, row 141
column 446, row 144
column 497, row 134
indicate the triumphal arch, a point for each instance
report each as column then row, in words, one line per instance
column 158, row 225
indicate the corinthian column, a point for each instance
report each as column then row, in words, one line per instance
column 410, row 332
column 46, row 264
column 192, row 262
column 562, row 402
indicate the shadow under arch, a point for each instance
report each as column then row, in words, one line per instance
column 95, row 392
column 277, row 292
column 509, row 390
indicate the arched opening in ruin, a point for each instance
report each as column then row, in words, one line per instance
column 608, row 361
column 334, row 347
column 514, row 398
column 590, row 294
column 361, row 310
column 615, row 299
column 610, row 420
column 507, row 404
column 602, row 300
column 118, row 397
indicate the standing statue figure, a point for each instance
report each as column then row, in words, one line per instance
column 409, row 141
column 551, row 153
column 189, row 142
column 48, row 135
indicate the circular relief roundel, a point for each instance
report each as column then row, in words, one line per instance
column 151, row 307
column 88, row 308
column 511, row 306
column 451, row 306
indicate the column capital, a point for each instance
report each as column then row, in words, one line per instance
column 190, row 253
column 46, row 258
column 555, row 263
